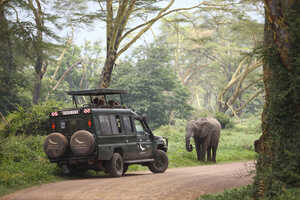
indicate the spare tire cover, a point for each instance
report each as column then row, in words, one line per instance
column 82, row 142
column 55, row 145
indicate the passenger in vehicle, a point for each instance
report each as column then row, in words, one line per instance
column 96, row 101
column 101, row 102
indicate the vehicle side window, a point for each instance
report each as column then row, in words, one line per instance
column 138, row 127
column 128, row 124
column 97, row 126
column 116, row 124
column 105, row 125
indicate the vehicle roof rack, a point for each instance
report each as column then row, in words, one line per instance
column 96, row 92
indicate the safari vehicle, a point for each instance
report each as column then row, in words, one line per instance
column 103, row 135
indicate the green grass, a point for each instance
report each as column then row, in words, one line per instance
column 23, row 162
column 236, row 144
column 246, row 193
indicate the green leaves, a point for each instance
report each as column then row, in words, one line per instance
column 32, row 121
column 153, row 86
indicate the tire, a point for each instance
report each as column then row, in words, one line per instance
column 82, row 143
column 116, row 165
column 125, row 168
column 160, row 163
column 55, row 145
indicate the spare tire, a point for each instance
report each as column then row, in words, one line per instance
column 55, row 145
column 82, row 143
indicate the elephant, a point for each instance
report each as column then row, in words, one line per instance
column 206, row 134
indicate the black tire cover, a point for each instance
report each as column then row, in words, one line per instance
column 55, row 145
column 82, row 142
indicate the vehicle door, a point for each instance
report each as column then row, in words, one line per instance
column 110, row 134
column 144, row 140
column 131, row 138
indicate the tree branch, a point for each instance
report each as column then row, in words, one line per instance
column 109, row 23
column 65, row 73
column 117, row 24
column 159, row 16
column 249, row 100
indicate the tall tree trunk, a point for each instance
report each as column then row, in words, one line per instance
column 40, row 70
column 40, row 67
column 278, row 164
column 107, row 70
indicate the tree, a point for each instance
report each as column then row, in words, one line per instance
column 213, row 56
column 12, row 59
column 77, row 68
column 278, row 165
column 118, row 15
column 153, row 86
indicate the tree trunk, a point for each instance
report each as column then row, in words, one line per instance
column 37, row 89
column 105, row 76
column 278, row 164
column 40, row 71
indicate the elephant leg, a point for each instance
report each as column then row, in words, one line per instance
column 209, row 149
column 198, row 148
column 203, row 149
column 214, row 148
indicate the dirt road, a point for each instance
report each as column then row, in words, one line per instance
column 180, row 183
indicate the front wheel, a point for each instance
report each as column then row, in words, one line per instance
column 116, row 165
column 160, row 163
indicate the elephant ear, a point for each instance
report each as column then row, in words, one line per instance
column 201, row 123
column 204, row 126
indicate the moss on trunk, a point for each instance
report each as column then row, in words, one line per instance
column 278, row 164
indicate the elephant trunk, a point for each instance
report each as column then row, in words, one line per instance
column 188, row 145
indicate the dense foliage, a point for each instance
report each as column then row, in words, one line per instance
column 30, row 121
column 23, row 162
column 153, row 88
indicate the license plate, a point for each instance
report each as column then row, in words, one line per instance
column 70, row 112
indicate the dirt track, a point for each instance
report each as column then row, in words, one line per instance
column 180, row 183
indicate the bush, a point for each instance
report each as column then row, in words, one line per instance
column 224, row 120
column 23, row 162
column 32, row 121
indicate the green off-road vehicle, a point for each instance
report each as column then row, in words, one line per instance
column 103, row 135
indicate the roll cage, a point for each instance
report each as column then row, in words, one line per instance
column 93, row 93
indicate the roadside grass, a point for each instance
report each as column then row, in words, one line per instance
column 246, row 193
column 23, row 162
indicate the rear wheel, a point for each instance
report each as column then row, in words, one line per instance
column 116, row 165
column 160, row 163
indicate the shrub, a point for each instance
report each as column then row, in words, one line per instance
column 32, row 121
column 224, row 120
column 23, row 162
